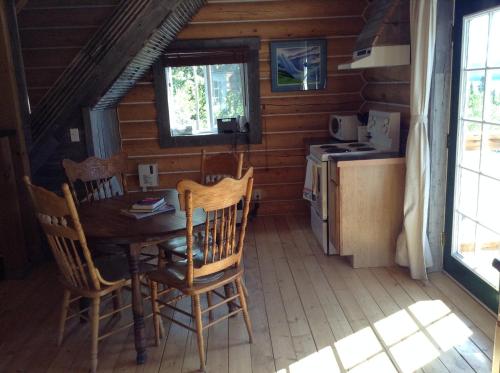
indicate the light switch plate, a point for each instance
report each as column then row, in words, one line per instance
column 74, row 134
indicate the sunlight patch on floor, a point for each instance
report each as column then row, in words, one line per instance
column 449, row 331
column 396, row 327
column 426, row 327
column 414, row 352
column 358, row 347
column 319, row 362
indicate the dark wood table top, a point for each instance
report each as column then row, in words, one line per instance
column 103, row 222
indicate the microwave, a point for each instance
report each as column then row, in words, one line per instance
column 344, row 127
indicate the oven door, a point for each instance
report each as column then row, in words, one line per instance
column 320, row 204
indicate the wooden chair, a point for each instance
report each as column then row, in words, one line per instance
column 212, row 169
column 220, row 261
column 218, row 166
column 99, row 178
column 96, row 179
column 80, row 275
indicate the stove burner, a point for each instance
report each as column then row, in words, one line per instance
column 335, row 149
column 365, row 149
column 357, row 145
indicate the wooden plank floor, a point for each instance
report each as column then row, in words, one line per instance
column 310, row 313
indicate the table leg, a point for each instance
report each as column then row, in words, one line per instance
column 137, row 303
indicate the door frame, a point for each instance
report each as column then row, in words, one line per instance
column 473, row 283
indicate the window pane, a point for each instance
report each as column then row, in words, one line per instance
column 489, row 203
column 474, row 94
column 471, row 145
column 467, row 199
column 466, row 235
column 490, row 153
column 199, row 95
column 227, row 91
column 477, row 42
column 493, row 50
column 186, row 100
column 492, row 102
column 487, row 249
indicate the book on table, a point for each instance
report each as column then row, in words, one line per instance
column 140, row 214
column 148, row 204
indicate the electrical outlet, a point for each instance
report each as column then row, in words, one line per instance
column 74, row 134
column 257, row 195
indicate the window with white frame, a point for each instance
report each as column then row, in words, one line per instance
column 199, row 95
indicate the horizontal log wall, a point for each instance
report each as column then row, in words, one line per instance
column 288, row 119
column 52, row 33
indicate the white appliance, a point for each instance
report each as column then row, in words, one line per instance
column 148, row 175
column 344, row 127
column 383, row 132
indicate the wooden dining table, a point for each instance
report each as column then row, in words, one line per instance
column 103, row 223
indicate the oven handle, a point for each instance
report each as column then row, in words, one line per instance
column 315, row 160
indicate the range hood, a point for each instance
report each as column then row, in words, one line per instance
column 385, row 38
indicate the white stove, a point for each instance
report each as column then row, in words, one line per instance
column 383, row 133
column 322, row 152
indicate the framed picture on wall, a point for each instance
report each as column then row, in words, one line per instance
column 298, row 65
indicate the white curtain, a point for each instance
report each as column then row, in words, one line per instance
column 413, row 246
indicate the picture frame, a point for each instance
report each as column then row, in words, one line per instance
column 298, row 65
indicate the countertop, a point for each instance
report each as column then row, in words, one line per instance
column 363, row 156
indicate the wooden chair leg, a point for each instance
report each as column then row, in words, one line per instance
column 117, row 301
column 209, row 303
column 156, row 310
column 199, row 329
column 245, row 291
column 94, row 325
column 244, row 307
column 64, row 315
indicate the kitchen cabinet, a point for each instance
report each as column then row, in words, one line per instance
column 365, row 207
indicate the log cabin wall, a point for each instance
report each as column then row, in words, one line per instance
column 288, row 119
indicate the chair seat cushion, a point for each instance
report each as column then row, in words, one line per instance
column 116, row 267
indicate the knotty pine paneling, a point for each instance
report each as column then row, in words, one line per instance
column 270, row 11
column 301, row 28
column 52, row 32
column 288, row 118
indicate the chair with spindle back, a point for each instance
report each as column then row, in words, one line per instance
column 80, row 275
column 218, row 166
column 218, row 263
column 95, row 179
column 99, row 178
column 212, row 169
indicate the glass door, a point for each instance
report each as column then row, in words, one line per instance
column 473, row 206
